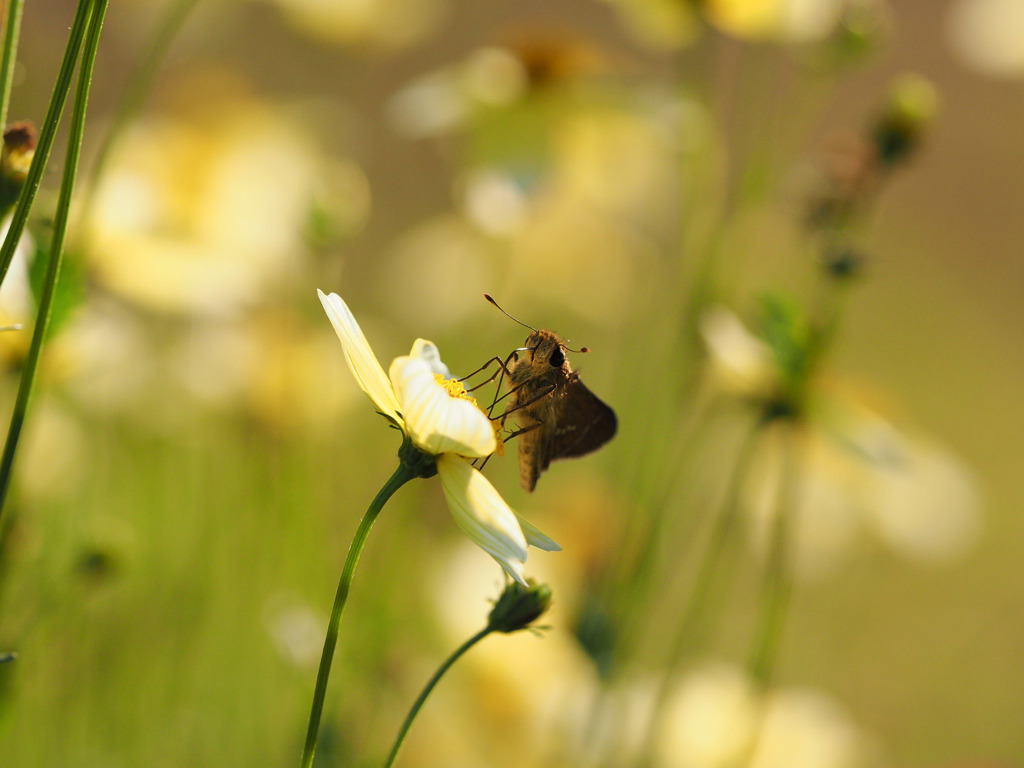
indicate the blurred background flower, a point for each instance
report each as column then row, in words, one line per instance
column 207, row 213
column 988, row 35
column 717, row 718
column 373, row 24
column 853, row 471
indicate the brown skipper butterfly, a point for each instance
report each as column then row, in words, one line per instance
column 558, row 417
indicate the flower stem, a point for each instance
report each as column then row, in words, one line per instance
column 696, row 607
column 402, row 475
column 418, row 704
column 46, row 136
column 95, row 18
column 140, row 83
column 778, row 583
column 12, row 28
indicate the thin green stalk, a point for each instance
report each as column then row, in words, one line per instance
column 778, row 582
column 428, row 688
column 696, row 606
column 402, row 475
column 46, row 136
column 12, row 28
column 60, row 221
column 140, row 83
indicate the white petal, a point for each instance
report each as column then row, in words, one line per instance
column 437, row 422
column 926, row 506
column 484, row 516
column 431, row 355
column 535, row 538
column 740, row 363
column 361, row 360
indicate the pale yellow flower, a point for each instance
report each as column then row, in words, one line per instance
column 716, row 718
column 782, row 20
column 988, row 35
column 664, row 24
column 205, row 213
column 386, row 24
column 852, row 473
column 739, row 363
column 419, row 396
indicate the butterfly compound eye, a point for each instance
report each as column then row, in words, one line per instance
column 557, row 358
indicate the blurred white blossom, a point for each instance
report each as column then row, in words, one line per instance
column 205, row 214
column 854, row 475
column 851, row 471
column 387, row 24
column 716, row 718
column 988, row 35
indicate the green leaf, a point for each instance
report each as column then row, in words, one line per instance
column 70, row 291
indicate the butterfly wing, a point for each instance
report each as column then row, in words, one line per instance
column 575, row 422
column 584, row 424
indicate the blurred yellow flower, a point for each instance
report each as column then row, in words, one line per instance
column 610, row 184
column 739, row 363
column 853, row 472
column 659, row 23
column 16, row 302
column 445, row 98
column 378, row 23
column 206, row 215
column 414, row 397
column 717, row 718
column 988, row 35
column 782, row 20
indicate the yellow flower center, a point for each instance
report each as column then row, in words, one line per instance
column 454, row 388
column 499, row 449
column 457, row 389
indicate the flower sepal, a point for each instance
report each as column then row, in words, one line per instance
column 519, row 606
column 418, row 463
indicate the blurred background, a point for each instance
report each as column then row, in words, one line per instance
column 637, row 175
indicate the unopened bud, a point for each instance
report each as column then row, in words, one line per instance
column 19, row 148
column 844, row 263
column 913, row 103
column 864, row 27
column 15, row 158
column 519, row 606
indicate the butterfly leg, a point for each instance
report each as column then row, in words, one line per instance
column 484, row 367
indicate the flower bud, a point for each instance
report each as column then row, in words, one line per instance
column 843, row 263
column 913, row 102
column 519, row 606
column 15, row 158
column 863, row 29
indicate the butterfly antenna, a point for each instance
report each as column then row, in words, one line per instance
column 506, row 314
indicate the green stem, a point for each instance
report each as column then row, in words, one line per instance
column 60, row 221
column 778, row 583
column 140, row 82
column 46, row 136
column 418, row 704
column 402, row 475
column 12, row 29
column 696, row 606
column 720, row 534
